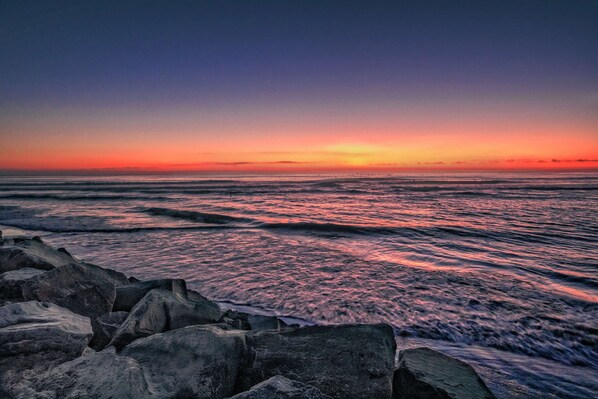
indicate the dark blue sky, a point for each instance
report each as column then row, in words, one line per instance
column 64, row 61
column 111, row 52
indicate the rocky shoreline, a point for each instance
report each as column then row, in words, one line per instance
column 70, row 329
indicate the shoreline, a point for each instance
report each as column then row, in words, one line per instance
column 508, row 374
column 34, row 272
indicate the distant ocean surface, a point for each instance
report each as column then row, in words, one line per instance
column 500, row 270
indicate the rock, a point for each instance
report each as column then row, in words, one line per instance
column 82, row 288
column 279, row 387
column 191, row 362
column 353, row 361
column 258, row 322
column 64, row 251
column 100, row 375
column 127, row 295
column 426, row 374
column 31, row 253
column 40, row 334
column 245, row 321
column 160, row 310
column 116, row 277
column 12, row 283
column 104, row 328
column 236, row 320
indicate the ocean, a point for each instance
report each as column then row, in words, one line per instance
column 500, row 270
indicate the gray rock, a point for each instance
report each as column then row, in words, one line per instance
column 82, row 288
column 127, row 295
column 100, row 375
column 192, row 362
column 195, row 362
column 104, row 328
column 40, row 334
column 12, row 283
column 258, row 322
column 353, row 361
column 426, row 374
column 31, row 253
column 236, row 320
column 280, row 387
column 160, row 310
column 245, row 321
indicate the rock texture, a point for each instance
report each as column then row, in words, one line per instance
column 99, row 375
column 127, row 295
column 35, row 332
column 160, row 310
column 195, row 362
column 31, row 253
column 84, row 289
column 353, row 361
column 280, row 387
column 13, row 281
column 426, row 374
column 105, row 327
column 244, row 321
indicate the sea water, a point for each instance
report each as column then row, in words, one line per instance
column 500, row 270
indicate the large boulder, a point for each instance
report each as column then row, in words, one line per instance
column 31, row 253
column 192, row 362
column 127, row 295
column 160, row 310
column 353, row 361
column 280, row 387
column 40, row 334
column 423, row 373
column 82, row 288
column 104, row 328
column 100, row 375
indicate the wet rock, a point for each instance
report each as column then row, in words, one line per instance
column 160, row 310
column 12, row 283
column 279, row 387
column 353, row 361
column 64, row 251
column 423, row 373
column 258, row 322
column 127, row 295
column 116, row 277
column 100, row 375
column 31, row 253
column 245, row 321
column 82, row 288
column 40, row 334
column 195, row 362
column 104, row 328
column 236, row 320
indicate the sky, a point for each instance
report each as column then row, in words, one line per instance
column 298, row 85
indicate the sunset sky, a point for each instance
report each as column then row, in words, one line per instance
column 298, row 85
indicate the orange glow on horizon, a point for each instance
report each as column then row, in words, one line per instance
column 297, row 145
